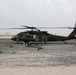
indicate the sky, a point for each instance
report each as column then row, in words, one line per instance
column 44, row 13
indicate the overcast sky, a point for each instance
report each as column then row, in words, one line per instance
column 14, row 13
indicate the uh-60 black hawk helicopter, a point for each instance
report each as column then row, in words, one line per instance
column 35, row 36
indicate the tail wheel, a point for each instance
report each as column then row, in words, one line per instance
column 44, row 39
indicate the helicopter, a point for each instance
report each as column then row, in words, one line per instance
column 36, row 36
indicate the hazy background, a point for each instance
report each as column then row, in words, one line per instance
column 14, row 13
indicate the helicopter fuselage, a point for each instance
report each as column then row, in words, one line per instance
column 28, row 36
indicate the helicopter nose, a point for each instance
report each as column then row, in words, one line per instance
column 13, row 38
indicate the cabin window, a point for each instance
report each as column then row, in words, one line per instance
column 75, row 35
column 27, row 34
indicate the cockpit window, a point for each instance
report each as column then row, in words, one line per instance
column 27, row 34
column 24, row 35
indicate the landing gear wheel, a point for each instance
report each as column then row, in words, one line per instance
column 17, row 40
column 44, row 39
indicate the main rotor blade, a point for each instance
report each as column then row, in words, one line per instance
column 47, row 27
column 13, row 28
column 55, row 27
column 27, row 27
column 30, row 27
